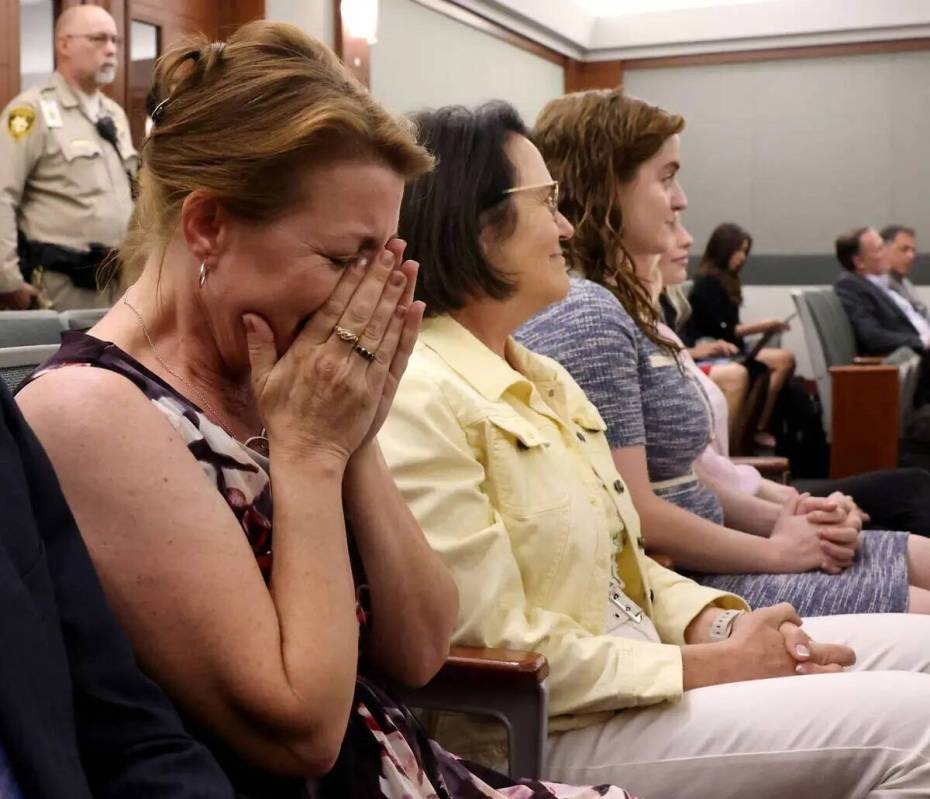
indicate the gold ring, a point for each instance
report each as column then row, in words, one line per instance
column 367, row 354
column 346, row 335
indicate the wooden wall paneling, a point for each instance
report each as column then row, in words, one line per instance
column 237, row 12
column 583, row 75
column 176, row 18
column 9, row 50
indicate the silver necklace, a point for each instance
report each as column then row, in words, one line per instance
column 258, row 443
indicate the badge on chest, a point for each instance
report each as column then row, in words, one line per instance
column 51, row 113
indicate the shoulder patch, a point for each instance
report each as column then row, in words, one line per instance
column 20, row 121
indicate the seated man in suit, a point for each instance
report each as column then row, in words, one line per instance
column 901, row 249
column 77, row 717
column 882, row 320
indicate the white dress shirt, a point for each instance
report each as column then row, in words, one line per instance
column 921, row 325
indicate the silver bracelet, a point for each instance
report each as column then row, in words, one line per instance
column 722, row 626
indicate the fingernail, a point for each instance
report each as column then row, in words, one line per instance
column 387, row 257
column 249, row 323
column 799, row 669
column 803, row 651
column 397, row 279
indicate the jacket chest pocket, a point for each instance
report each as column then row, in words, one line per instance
column 85, row 167
column 524, row 472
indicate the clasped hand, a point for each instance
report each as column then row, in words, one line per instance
column 770, row 642
column 817, row 533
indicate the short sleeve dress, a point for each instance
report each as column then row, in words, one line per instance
column 385, row 752
column 648, row 399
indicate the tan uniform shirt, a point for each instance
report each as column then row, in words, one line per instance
column 60, row 181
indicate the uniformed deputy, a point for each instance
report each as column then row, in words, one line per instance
column 67, row 166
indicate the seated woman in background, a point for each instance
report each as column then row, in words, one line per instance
column 895, row 499
column 716, row 297
column 506, row 466
column 262, row 345
column 658, row 422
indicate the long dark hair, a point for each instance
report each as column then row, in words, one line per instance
column 724, row 241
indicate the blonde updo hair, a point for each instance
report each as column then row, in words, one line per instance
column 243, row 119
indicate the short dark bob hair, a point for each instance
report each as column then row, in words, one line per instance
column 445, row 210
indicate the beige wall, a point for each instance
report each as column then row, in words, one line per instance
column 798, row 151
column 424, row 59
column 313, row 16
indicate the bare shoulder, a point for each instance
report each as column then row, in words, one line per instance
column 106, row 439
column 128, row 475
column 79, row 401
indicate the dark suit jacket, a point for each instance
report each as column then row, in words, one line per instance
column 880, row 325
column 77, row 716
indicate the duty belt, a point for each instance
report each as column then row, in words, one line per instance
column 81, row 267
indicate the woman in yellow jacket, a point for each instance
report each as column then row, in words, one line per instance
column 505, row 465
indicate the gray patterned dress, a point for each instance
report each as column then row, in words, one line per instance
column 646, row 399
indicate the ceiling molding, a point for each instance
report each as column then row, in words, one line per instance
column 458, row 11
column 567, row 30
column 777, row 54
column 526, row 25
column 797, row 42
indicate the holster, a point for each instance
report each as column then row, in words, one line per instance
column 81, row 267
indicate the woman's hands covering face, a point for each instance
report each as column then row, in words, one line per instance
column 323, row 396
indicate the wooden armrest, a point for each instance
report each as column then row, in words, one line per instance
column 768, row 465
column 499, row 665
column 663, row 560
column 868, row 360
column 865, row 368
column 866, row 418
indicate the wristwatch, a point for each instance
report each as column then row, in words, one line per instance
column 722, row 627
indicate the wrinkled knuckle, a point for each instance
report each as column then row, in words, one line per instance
column 357, row 315
column 326, row 367
column 331, row 309
column 374, row 332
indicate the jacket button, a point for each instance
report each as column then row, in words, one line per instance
column 580, row 436
column 618, row 486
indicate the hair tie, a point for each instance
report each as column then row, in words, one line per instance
column 159, row 110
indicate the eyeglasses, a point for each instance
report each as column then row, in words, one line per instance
column 552, row 198
column 99, row 39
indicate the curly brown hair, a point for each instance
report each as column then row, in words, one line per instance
column 592, row 141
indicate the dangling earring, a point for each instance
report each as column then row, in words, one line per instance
column 203, row 273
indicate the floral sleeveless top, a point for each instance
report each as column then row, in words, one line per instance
column 385, row 753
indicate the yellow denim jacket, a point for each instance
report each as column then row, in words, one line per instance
column 511, row 478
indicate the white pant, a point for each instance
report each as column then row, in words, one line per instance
column 862, row 733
